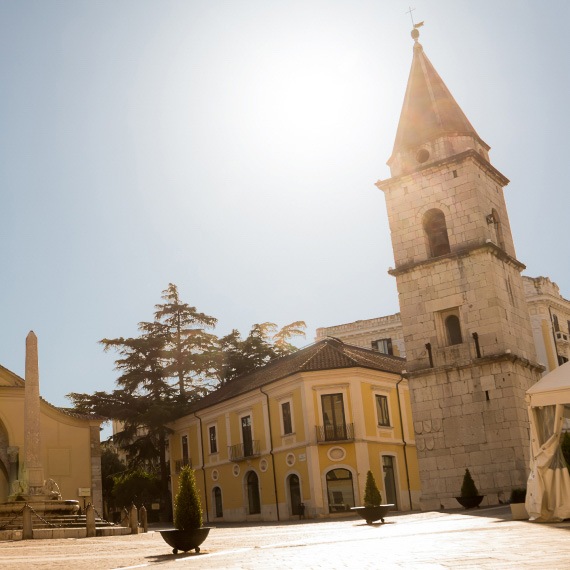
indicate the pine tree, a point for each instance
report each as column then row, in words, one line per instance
column 372, row 496
column 187, row 507
column 468, row 489
column 188, row 349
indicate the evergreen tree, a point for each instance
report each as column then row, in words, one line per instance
column 372, row 496
column 188, row 351
column 468, row 489
column 143, row 404
column 265, row 342
column 187, row 507
column 111, row 466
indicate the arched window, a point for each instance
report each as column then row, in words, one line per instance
column 436, row 233
column 453, row 328
column 217, row 494
column 340, row 490
column 254, row 504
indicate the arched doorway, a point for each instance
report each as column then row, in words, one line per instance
column 254, row 503
column 340, row 490
column 294, row 494
column 218, row 508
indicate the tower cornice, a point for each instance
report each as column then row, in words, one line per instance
column 491, row 359
column 457, row 254
column 455, row 159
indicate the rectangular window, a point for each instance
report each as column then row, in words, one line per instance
column 247, row 436
column 286, row 414
column 185, row 454
column 213, row 439
column 382, row 410
column 383, row 345
column 333, row 417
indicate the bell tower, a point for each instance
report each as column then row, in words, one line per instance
column 469, row 346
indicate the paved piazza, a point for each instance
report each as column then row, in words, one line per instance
column 487, row 538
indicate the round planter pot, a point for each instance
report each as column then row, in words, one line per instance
column 185, row 540
column 470, row 502
column 371, row 514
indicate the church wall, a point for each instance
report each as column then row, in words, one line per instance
column 66, row 442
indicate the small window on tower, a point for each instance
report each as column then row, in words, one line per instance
column 436, row 233
column 448, row 324
column 453, row 328
column 422, row 155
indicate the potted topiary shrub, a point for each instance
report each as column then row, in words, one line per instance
column 469, row 497
column 189, row 533
column 518, row 509
column 372, row 510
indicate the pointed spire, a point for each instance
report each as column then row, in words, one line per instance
column 429, row 110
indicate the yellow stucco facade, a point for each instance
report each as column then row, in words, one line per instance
column 308, row 437
column 70, row 449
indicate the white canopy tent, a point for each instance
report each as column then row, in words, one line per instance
column 548, row 488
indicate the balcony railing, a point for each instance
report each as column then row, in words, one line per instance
column 336, row 432
column 242, row 451
column 179, row 463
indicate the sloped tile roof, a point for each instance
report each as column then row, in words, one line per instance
column 327, row 354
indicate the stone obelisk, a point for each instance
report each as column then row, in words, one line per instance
column 33, row 469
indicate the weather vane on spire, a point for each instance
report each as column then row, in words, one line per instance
column 415, row 33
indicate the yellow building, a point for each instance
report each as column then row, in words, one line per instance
column 69, row 443
column 304, row 429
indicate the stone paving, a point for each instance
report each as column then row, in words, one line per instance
column 486, row 538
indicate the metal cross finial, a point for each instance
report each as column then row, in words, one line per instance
column 411, row 15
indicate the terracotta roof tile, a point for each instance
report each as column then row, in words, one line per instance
column 327, row 354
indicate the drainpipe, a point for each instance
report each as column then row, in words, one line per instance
column 271, row 453
column 203, row 469
column 404, row 440
column 477, row 347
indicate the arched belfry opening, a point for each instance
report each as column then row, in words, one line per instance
column 435, row 230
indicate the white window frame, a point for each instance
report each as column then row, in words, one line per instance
column 387, row 396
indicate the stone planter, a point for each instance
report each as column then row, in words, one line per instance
column 470, row 502
column 371, row 514
column 185, row 540
column 519, row 512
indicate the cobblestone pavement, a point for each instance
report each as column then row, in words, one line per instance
column 487, row 538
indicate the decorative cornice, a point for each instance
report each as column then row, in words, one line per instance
column 506, row 357
column 455, row 159
column 463, row 252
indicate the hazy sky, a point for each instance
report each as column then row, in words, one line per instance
column 231, row 147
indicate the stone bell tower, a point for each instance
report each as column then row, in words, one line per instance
column 469, row 346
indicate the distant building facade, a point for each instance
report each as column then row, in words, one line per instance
column 299, row 435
